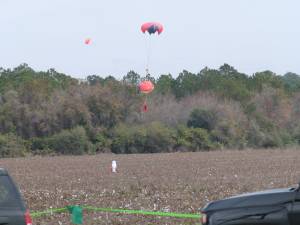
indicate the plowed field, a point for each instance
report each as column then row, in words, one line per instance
column 177, row 182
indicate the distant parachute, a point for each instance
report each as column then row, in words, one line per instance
column 152, row 28
column 87, row 41
column 146, row 87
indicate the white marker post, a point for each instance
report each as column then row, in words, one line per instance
column 113, row 166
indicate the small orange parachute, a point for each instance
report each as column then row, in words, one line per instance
column 146, row 87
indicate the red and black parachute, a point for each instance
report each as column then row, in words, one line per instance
column 152, row 28
column 87, row 41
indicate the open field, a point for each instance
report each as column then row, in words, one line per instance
column 178, row 182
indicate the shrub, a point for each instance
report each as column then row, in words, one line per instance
column 101, row 143
column 123, row 139
column 159, row 138
column 74, row 141
column 194, row 139
column 201, row 118
column 39, row 144
column 12, row 146
column 148, row 138
column 229, row 134
column 267, row 138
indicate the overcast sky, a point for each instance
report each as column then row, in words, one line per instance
column 251, row 35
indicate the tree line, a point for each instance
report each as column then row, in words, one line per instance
column 52, row 113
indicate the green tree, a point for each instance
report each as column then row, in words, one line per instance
column 165, row 84
column 132, row 78
column 291, row 82
column 186, row 83
column 266, row 78
column 200, row 118
column 94, row 79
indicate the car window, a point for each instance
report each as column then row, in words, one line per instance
column 8, row 195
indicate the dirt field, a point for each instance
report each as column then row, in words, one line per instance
column 178, row 182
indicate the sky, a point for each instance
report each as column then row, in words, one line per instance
column 251, row 35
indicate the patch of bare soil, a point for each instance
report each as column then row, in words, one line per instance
column 176, row 182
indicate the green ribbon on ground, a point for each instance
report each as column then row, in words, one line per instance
column 48, row 211
column 76, row 213
column 142, row 212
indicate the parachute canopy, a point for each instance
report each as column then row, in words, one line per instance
column 87, row 41
column 146, row 87
column 152, row 28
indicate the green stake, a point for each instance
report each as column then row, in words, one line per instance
column 76, row 212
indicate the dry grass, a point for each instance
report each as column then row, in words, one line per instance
column 177, row 182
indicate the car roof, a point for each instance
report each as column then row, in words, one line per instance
column 3, row 172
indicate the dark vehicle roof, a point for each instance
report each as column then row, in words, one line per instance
column 12, row 207
column 10, row 196
column 3, row 171
column 263, row 198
